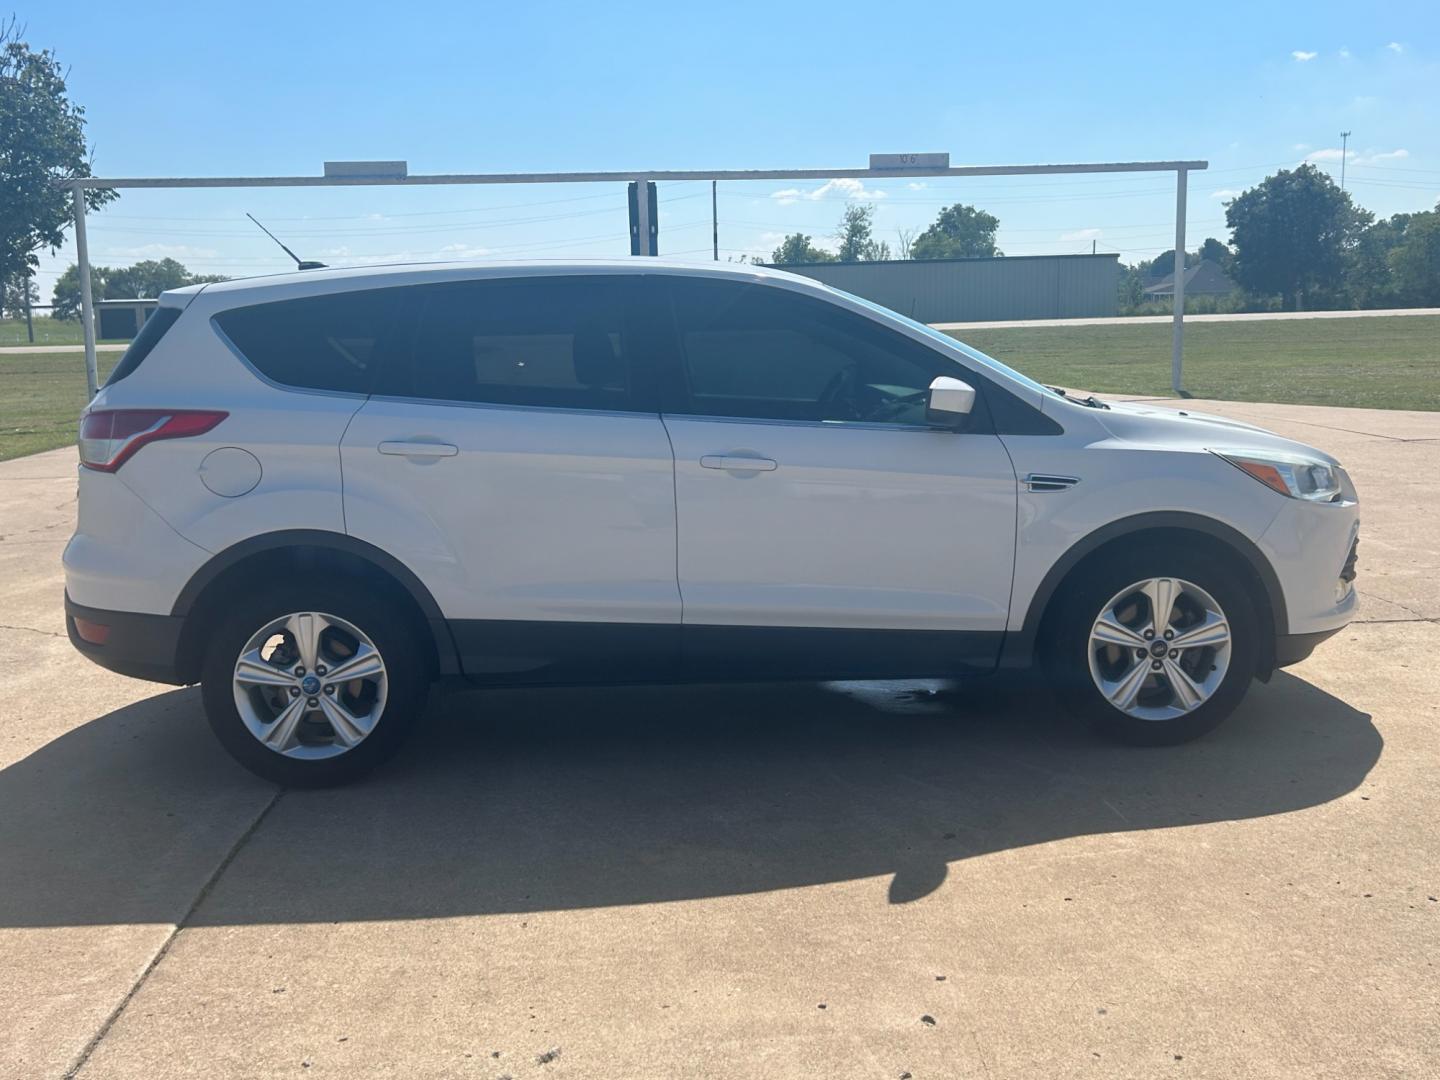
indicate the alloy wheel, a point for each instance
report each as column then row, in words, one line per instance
column 1159, row 648
column 310, row 685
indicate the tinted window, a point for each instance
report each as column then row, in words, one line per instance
column 547, row 341
column 330, row 342
column 764, row 352
column 148, row 337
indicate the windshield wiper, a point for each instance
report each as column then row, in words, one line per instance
column 1091, row 402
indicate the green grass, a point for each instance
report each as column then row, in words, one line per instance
column 1380, row 362
column 1377, row 363
column 41, row 395
column 48, row 331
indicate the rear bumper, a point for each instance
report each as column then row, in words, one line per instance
column 140, row 646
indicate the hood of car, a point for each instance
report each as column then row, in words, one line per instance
column 1182, row 428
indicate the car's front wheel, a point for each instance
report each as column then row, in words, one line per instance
column 312, row 685
column 1156, row 649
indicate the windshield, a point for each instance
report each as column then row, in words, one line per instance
column 945, row 339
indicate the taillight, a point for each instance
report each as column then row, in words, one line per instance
column 110, row 437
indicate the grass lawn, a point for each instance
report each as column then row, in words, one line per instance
column 1374, row 363
column 41, row 395
column 48, row 331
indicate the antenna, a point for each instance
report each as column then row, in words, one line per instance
column 300, row 264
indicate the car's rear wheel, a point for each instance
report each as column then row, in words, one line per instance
column 312, row 685
column 1156, row 649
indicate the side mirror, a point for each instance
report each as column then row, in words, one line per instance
column 948, row 402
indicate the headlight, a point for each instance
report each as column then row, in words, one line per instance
column 1290, row 474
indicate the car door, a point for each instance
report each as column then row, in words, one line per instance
column 825, row 528
column 516, row 462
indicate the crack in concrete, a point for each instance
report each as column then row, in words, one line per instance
column 90, row 1047
column 31, row 629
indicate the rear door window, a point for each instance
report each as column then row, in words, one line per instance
column 552, row 342
column 333, row 342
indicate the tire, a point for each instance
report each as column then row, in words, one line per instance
column 341, row 622
column 1159, row 714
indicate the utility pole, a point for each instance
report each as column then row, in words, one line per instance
column 1344, row 147
column 29, row 323
column 715, row 217
column 1092, row 245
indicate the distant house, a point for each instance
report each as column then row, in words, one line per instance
column 1205, row 278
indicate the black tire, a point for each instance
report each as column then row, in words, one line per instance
column 380, row 620
column 1083, row 594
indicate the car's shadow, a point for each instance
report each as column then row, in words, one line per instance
column 524, row 801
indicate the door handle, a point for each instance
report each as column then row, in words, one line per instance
column 738, row 463
column 403, row 448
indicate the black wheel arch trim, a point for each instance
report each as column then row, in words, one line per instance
column 340, row 543
column 1020, row 645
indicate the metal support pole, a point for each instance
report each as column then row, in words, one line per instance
column 87, row 302
column 642, row 215
column 715, row 217
column 1177, row 344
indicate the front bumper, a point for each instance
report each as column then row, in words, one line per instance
column 140, row 646
column 1292, row 648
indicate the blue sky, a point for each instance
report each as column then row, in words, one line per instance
column 267, row 88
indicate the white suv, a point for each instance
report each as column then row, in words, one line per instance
column 317, row 493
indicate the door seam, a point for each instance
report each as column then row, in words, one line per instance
column 675, row 507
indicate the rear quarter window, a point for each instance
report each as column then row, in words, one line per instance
column 333, row 342
column 149, row 336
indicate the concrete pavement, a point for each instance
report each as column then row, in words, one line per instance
column 59, row 348
column 840, row 880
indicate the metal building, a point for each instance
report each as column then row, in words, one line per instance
column 978, row 290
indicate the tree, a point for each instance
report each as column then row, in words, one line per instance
column 12, row 300
column 857, row 244
column 1369, row 282
column 65, row 298
column 1213, row 250
column 907, row 242
column 42, row 139
column 1162, row 266
column 960, row 232
column 1293, row 234
column 1415, row 261
column 797, row 248
column 145, row 279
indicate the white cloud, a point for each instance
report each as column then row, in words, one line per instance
column 1395, row 47
column 1344, row 53
column 1301, row 55
column 1369, row 157
column 1082, row 234
column 179, row 252
column 1224, row 193
column 917, row 185
column 846, row 187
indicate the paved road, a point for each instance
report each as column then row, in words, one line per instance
column 1155, row 320
column 740, row 881
column 58, row 348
